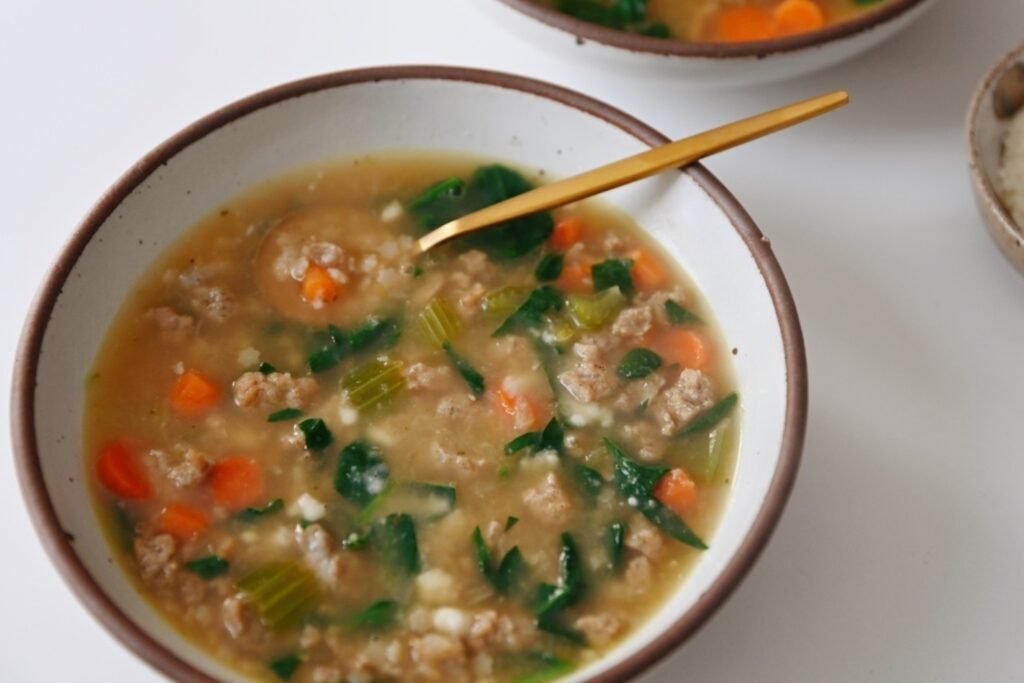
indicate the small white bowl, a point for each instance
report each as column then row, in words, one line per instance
column 986, row 131
column 351, row 113
column 708, row 64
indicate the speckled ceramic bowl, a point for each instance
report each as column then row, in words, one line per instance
column 995, row 103
column 707, row 63
column 427, row 108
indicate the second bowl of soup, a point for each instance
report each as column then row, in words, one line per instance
column 304, row 452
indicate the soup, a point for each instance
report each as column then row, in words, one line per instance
column 716, row 21
column 326, row 459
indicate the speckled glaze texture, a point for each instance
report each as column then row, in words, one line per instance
column 707, row 64
column 352, row 113
column 986, row 132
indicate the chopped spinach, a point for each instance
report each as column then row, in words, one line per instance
column 638, row 363
column 209, row 567
column 552, row 437
column 712, row 416
column 546, row 668
column 552, row 600
column 284, row 414
column 453, row 198
column 510, row 572
column 588, row 479
column 356, row 540
column 332, row 347
column 253, row 514
column 621, row 15
column 316, row 433
column 531, row 313
column 550, row 267
column 636, row 483
column 679, row 315
column 473, row 378
column 374, row 332
column 395, row 537
column 526, row 440
column 284, row 667
column 266, row 368
column 361, row 474
column 613, row 273
column 381, row 614
column 511, row 522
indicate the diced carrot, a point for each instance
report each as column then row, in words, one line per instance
column 236, row 482
column 742, row 24
column 575, row 278
column 183, row 521
column 568, row 231
column 798, row 16
column 121, row 473
column 194, row 393
column 318, row 285
column 683, row 346
column 648, row 271
column 524, row 412
column 678, row 492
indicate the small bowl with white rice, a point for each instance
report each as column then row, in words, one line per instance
column 995, row 130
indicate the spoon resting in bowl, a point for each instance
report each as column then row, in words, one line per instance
column 628, row 170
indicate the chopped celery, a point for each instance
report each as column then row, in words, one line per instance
column 703, row 456
column 501, row 302
column 591, row 311
column 373, row 382
column 282, row 592
column 438, row 321
column 559, row 329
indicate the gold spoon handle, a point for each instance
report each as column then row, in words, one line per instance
column 615, row 174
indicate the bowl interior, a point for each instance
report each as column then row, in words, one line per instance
column 445, row 110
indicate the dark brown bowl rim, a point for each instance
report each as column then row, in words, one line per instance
column 59, row 546
column 681, row 48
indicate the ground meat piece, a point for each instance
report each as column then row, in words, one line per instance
column 644, row 537
column 690, row 395
column 600, row 629
column 474, row 262
column 421, row 375
column 548, row 501
column 275, row 389
column 379, row 659
column 592, row 346
column 491, row 631
column 589, row 381
column 633, row 322
column 318, row 549
column 213, row 303
column 638, row 574
column 154, row 556
column 656, row 301
column 469, row 300
column 439, row 657
column 325, row 674
column 185, row 467
column 170, row 321
column 453, row 407
column 310, row 638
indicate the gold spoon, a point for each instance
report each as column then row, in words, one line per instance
column 622, row 172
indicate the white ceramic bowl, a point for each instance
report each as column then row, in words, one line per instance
column 500, row 116
column 707, row 64
column 986, row 131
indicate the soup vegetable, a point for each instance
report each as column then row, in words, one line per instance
column 326, row 459
column 716, row 21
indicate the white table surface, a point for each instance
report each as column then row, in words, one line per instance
column 902, row 550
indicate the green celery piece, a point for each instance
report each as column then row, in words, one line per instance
column 712, row 416
column 253, row 514
column 282, row 592
column 362, row 473
column 638, row 363
column 473, row 379
column 703, row 457
column 284, row 667
column 395, row 536
column 373, row 382
column 616, row 540
column 613, row 273
column 560, row 328
column 550, row 267
column 381, row 614
column 531, row 313
column 635, row 484
column 209, row 567
column 593, row 311
column 502, row 302
column 438, row 321
column 316, row 434
column 284, row 415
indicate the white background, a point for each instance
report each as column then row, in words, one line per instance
column 901, row 553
